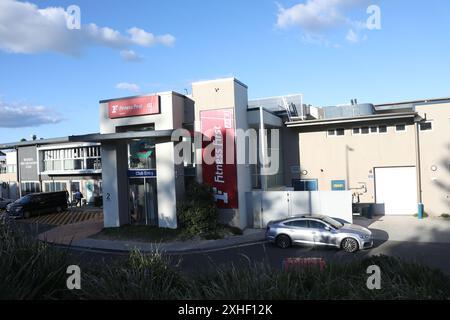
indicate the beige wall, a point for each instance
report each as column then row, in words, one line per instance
column 354, row 157
column 435, row 151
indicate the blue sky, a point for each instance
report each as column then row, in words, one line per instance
column 51, row 82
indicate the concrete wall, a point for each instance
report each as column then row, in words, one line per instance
column 435, row 152
column 274, row 205
column 353, row 157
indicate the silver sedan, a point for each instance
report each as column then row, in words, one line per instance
column 318, row 230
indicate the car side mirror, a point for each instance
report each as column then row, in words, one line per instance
column 327, row 228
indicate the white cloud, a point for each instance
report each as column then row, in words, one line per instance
column 24, row 28
column 130, row 56
column 316, row 17
column 19, row 116
column 128, row 86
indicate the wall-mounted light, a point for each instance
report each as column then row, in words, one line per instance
column 433, row 168
column 304, row 172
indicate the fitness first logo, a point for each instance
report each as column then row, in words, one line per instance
column 114, row 108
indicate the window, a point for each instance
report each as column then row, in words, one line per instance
column 374, row 129
column 400, row 128
column 304, row 185
column 30, row 187
column 356, row 130
column 298, row 223
column 340, row 132
column 426, row 126
column 72, row 159
column 382, row 129
column 336, row 132
column 365, row 130
column 314, row 224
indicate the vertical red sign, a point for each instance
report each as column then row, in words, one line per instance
column 136, row 106
column 218, row 126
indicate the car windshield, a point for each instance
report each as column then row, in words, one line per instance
column 335, row 224
column 23, row 200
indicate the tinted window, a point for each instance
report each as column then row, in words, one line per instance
column 355, row 130
column 400, row 127
column 373, row 129
column 425, row 126
column 297, row 223
column 382, row 129
column 365, row 130
column 340, row 132
column 23, row 200
column 313, row 224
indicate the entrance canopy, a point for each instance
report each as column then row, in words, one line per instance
column 158, row 136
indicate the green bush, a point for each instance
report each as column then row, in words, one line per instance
column 399, row 280
column 140, row 277
column 30, row 269
column 197, row 214
column 445, row 215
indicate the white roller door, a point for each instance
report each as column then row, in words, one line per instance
column 396, row 190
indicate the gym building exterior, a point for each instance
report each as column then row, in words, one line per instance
column 393, row 156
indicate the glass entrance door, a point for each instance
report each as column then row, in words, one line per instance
column 143, row 202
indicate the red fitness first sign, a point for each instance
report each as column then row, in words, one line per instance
column 218, row 126
column 130, row 107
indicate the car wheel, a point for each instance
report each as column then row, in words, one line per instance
column 27, row 215
column 350, row 245
column 283, row 241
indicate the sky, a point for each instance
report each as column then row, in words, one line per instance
column 53, row 74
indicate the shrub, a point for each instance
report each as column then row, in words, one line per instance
column 140, row 277
column 399, row 280
column 445, row 215
column 197, row 214
column 30, row 269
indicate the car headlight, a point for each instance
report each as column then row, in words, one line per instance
column 364, row 236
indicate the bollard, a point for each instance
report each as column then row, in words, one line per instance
column 420, row 211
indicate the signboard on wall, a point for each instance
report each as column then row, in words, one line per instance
column 136, row 106
column 338, row 185
column 150, row 173
column 218, row 126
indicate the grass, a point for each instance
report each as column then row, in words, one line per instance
column 32, row 270
column 158, row 235
column 425, row 215
column 139, row 233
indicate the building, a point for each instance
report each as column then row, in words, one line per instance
column 54, row 165
column 392, row 155
column 395, row 155
column 8, row 175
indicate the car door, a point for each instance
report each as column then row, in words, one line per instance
column 321, row 235
column 299, row 232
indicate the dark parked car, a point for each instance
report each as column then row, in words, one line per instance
column 4, row 202
column 37, row 203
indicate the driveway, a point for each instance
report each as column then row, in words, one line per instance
column 408, row 228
